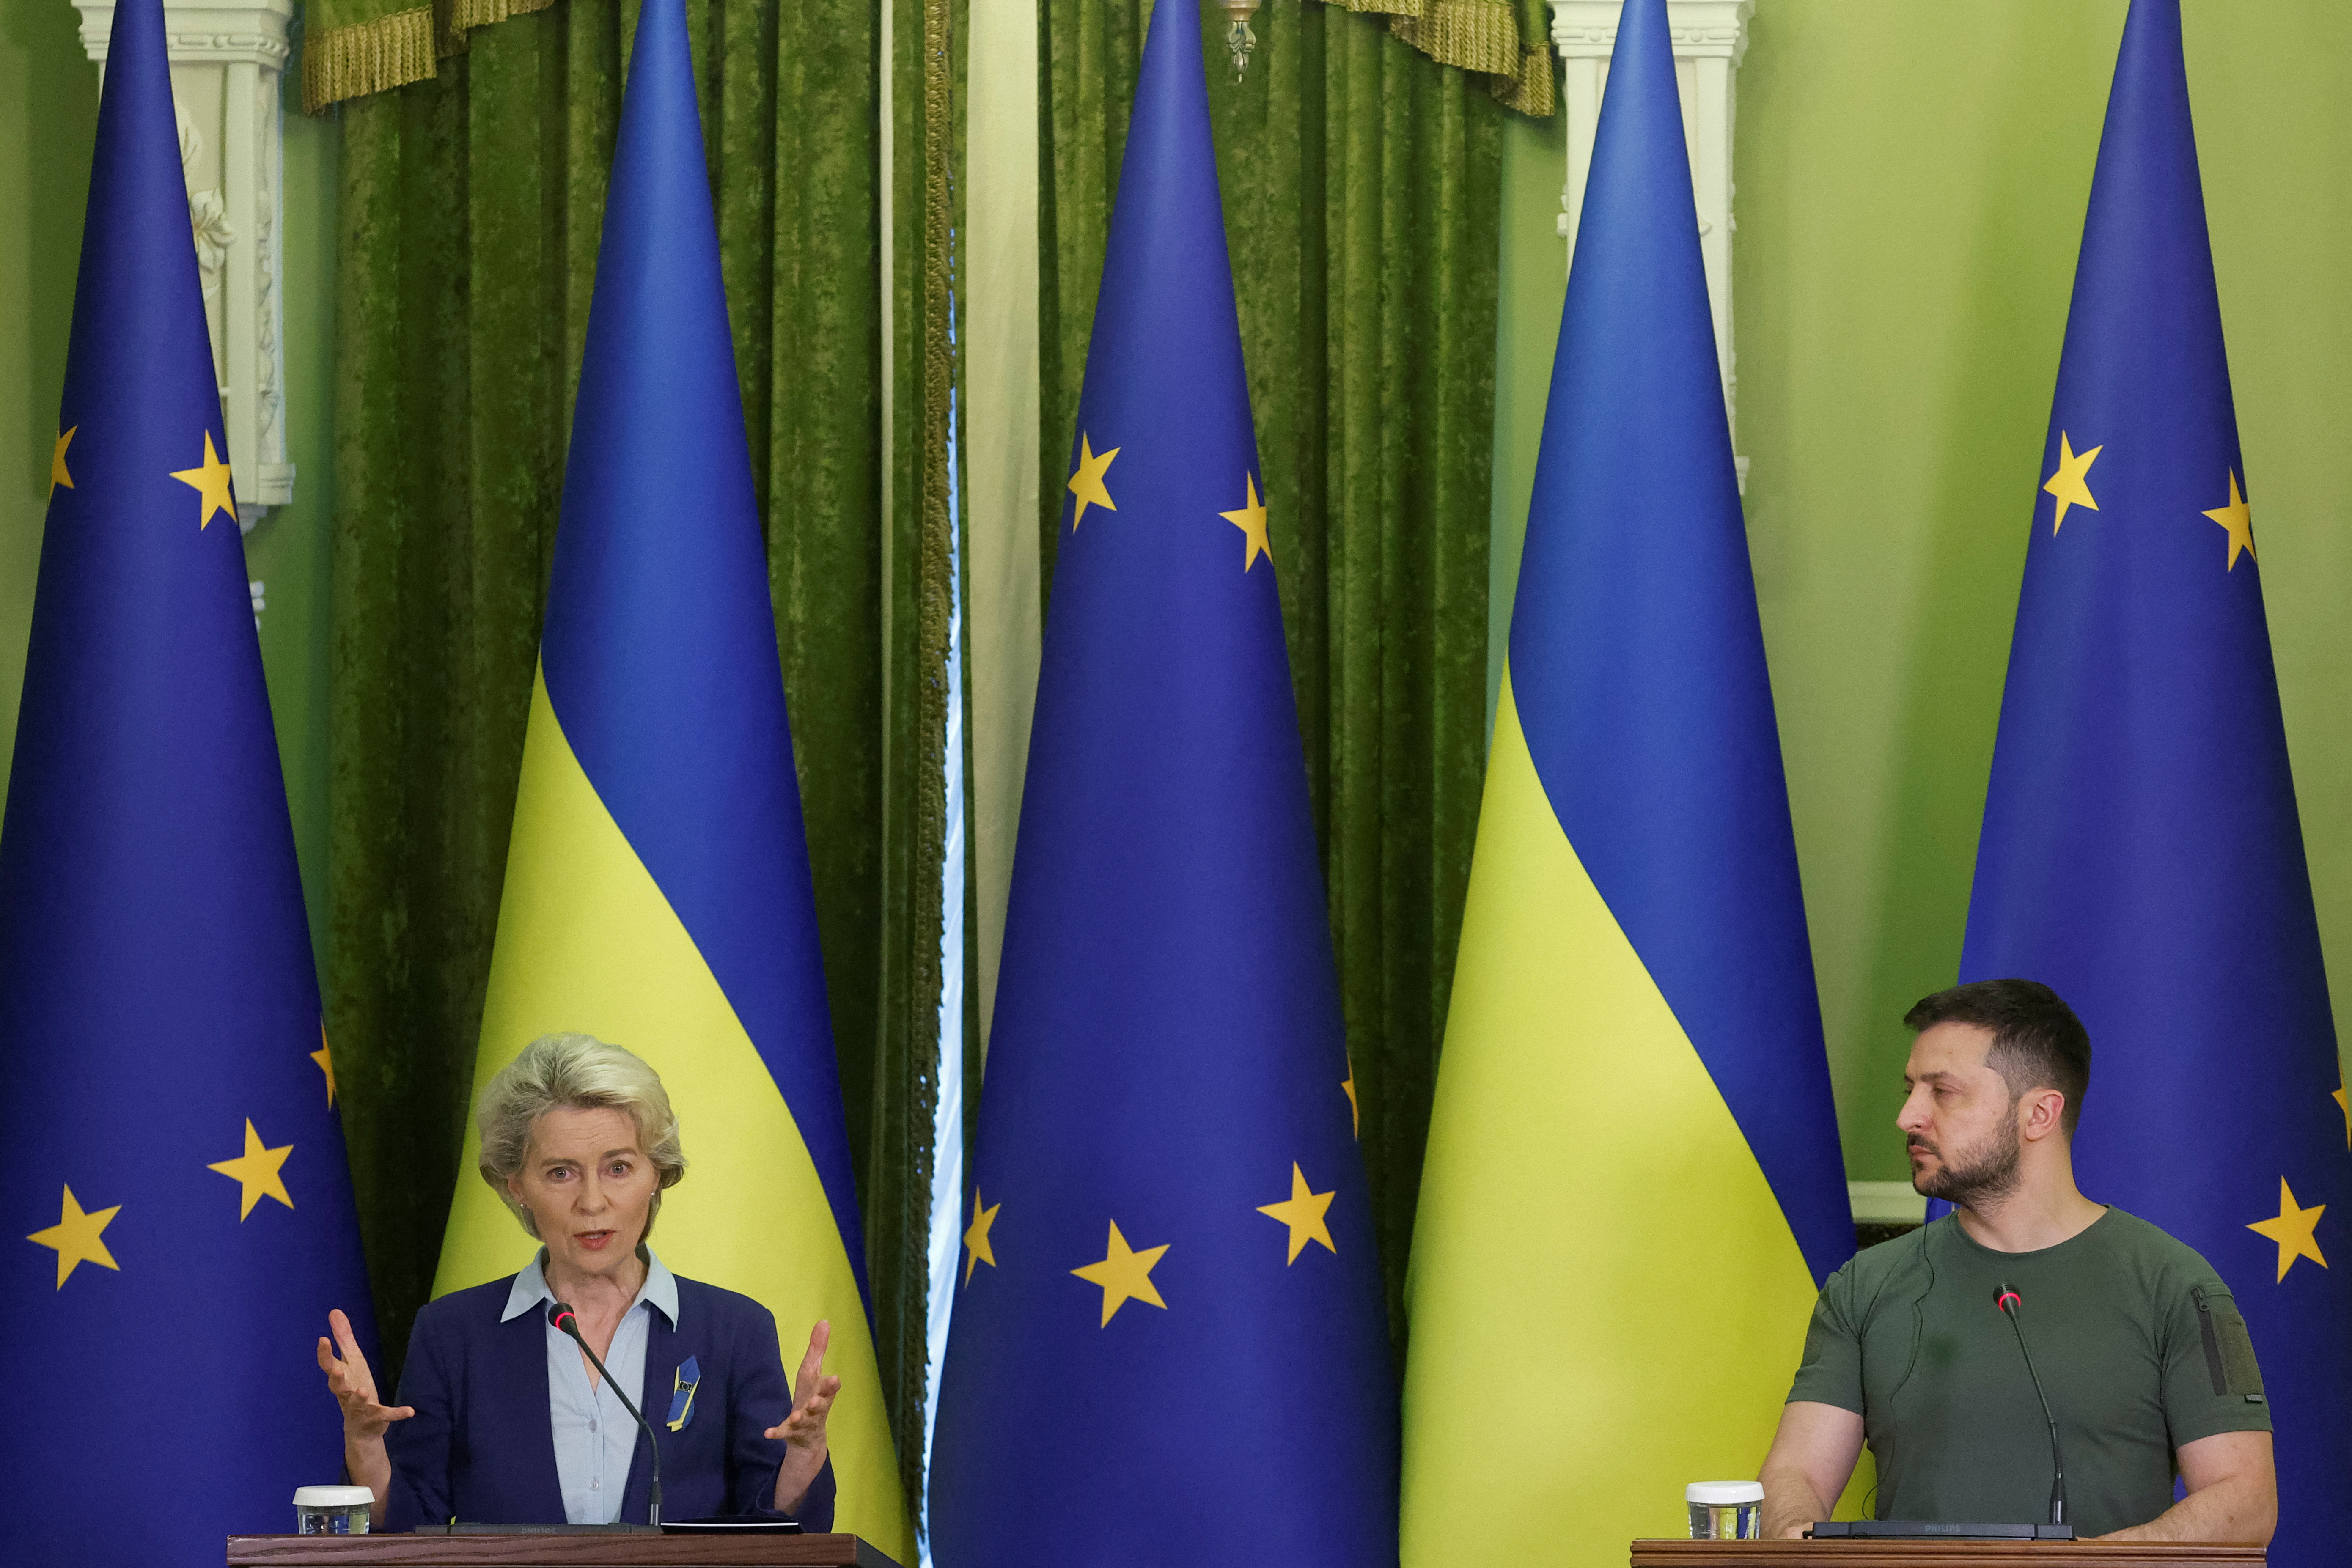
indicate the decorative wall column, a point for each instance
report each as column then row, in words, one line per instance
column 1710, row 37
column 226, row 58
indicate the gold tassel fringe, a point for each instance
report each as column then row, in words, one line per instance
column 460, row 18
column 1531, row 91
column 1476, row 35
column 1480, row 35
column 367, row 56
column 394, row 50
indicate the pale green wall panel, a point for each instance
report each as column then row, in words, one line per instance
column 1533, row 284
column 1912, row 182
column 1911, row 186
column 49, row 113
column 290, row 552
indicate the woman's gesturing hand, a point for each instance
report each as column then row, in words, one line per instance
column 812, row 1396
column 802, row 1430
column 352, row 1384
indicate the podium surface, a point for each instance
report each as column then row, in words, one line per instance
column 1941, row 1553
column 554, row 1550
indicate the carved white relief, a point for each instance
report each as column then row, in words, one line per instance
column 1710, row 37
column 227, row 60
column 208, row 216
column 269, row 401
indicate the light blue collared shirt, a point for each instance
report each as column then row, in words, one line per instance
column 594, row 1439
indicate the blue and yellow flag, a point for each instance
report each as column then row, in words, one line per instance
column 178, row 1206
column 1168, row 1322
column 1632, row 1187
column 2141, row 851
column 657, row 891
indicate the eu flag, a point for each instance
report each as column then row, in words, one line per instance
column 2141, row 850
column 1632, row 1191
column 1169, row 1320
column 178, row 1211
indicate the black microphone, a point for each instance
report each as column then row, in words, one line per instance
column 2009, row 1301
column 559, row 1316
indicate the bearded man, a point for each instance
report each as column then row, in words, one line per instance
column 2146, row 1361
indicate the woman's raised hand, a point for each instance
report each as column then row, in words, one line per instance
column 802, row 1429
column 352, row 1384
column 813, row 1394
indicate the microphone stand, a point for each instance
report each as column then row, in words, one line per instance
column 2007, row 1301
column 560, row 1318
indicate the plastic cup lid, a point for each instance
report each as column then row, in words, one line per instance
column 1723, row 1494
column 332, row 1496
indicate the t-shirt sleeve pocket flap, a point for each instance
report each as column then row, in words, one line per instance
column 2229, row 1349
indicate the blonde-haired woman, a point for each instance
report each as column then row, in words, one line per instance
column 506, row 1420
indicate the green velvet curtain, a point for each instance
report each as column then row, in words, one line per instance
column 1361, row 186
column 470, row 207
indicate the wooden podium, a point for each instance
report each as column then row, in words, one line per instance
column 1880, row 1554
column 553, row 1550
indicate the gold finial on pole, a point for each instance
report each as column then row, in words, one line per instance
column 1239, row 39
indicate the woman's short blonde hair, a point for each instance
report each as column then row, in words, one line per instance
column 578, row 1072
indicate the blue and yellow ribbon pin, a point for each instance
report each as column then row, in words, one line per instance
column 683, row 1383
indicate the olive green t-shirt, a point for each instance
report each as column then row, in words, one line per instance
column 2139, row 1346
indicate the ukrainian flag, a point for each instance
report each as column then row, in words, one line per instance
column 658, row 890
column 1632, row 1188
column 2141, row 850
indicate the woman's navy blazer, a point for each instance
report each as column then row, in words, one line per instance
column 481, row 1446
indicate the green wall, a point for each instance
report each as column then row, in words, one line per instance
column 1911, row 186
column 290, row 550
column 48, row 116
column 49, row 113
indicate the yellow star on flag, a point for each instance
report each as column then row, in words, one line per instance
column 1355, row 1111
column 1087, row 485
column 2344, row 1104
column 1251, row 520
column 256, row 1171
column 1303, row 1212
column 2070, row 483
column 211, row 483
column 57, row 475
column 2239, row 519
column 75, row 1238
column 326, row 1061
column 2292, row 1230
column 975, row 1239
column 1124, row 1274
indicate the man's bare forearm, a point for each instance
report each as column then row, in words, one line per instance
column 2235, row 1509
column 1790, row 1504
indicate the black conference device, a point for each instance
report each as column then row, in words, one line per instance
column 1934, row 1529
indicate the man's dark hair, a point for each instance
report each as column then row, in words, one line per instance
column 2037, row 1041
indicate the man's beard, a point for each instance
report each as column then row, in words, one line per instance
column 1986, row 1174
